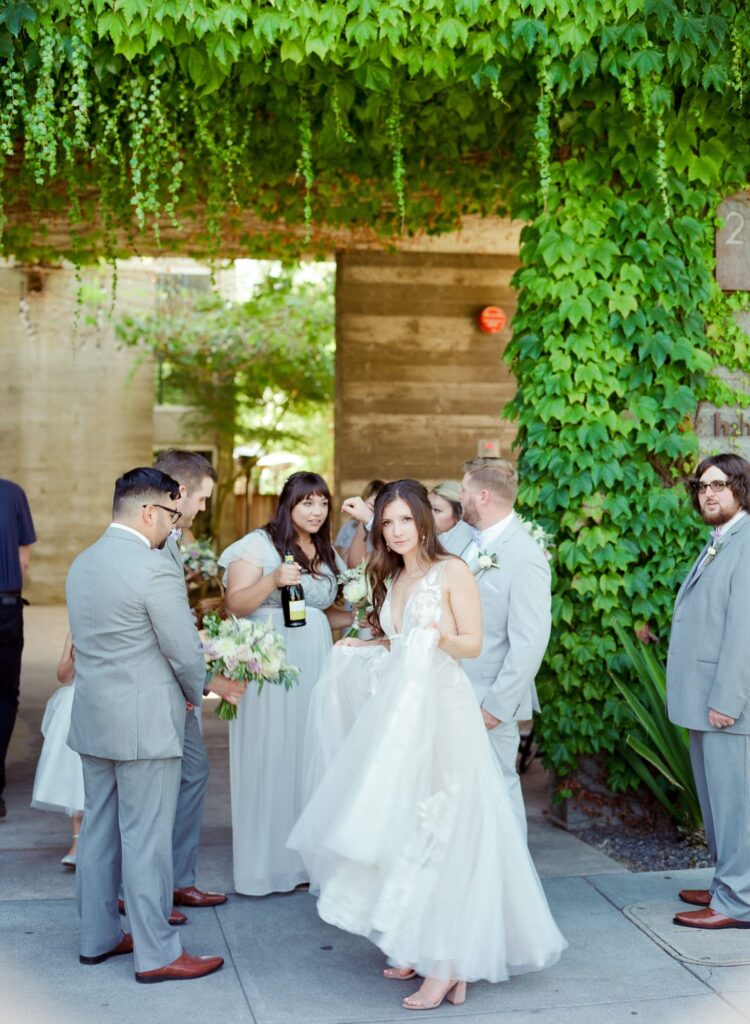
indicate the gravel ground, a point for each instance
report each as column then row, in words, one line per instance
column 645, row 851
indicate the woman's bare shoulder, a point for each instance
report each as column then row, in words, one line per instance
column 456, row 570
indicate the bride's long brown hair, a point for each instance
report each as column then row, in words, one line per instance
column 383, row 563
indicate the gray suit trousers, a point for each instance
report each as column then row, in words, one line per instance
column 721, row 766
column 193, row 783
column 127, row 833
column 505, row 740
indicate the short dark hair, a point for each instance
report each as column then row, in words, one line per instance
column 144, row 485
column 734, row 467
column 190, row 468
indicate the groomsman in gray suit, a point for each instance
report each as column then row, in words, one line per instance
column 196, row 478
column 138, row 660
column 708, row 688
column 513, row 576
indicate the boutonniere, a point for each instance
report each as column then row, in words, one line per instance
column 711, row 554
column 487, row 561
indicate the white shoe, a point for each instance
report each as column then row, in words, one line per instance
column 69, row 860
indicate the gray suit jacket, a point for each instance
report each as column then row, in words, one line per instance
column 172, row 551
column 138, row 653
column 516, row 624
column 708, row 665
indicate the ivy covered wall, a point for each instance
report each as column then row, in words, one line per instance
column 613, row 127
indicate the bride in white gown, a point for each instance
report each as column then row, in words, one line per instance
column 409, row 836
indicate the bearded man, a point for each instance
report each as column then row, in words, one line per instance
column 708, row 688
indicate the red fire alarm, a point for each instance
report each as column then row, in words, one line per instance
column 492, row 319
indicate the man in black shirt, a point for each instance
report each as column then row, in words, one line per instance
column 16, row 537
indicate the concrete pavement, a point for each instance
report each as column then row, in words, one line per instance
column 626, row 961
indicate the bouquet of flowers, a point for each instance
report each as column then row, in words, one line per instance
column 199, row 557
column 249, row 651
column 357, row 592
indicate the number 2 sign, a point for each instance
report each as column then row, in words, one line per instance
column 733, row 244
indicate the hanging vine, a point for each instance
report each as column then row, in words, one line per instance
column 394, row 128
column 305, row 162
column 542, row 133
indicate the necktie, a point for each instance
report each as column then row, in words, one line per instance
column 715, row 536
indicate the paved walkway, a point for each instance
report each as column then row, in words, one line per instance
column 626, row 961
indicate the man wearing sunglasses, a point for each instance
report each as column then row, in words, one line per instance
column 708, row 687
column 138, row 660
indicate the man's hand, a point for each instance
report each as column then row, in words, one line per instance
column 490, row 722
column 228, row 689
column 719, row 721
column 357, row 509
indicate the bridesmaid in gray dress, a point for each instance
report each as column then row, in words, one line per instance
column 266, row 740
column 453, row 533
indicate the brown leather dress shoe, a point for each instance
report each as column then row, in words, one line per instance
column 697, row 897
column 192, row 897
column 125, row 945
column 176, row 917
column 184, row 968
column 708, row 919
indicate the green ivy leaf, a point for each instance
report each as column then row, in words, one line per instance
column 292, row 50
column 14, row 13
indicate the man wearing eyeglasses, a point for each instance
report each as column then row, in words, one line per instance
column 138, row 660
column 708, row 688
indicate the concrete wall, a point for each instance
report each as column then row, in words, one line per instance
column 70, row 422
column 418, row 384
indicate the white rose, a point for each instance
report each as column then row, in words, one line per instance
column 355, row 591
column 485, row 561
column 272, row 665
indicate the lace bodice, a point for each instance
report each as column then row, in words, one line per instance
column 423, row 607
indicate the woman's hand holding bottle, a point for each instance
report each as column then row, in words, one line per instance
column 287, row 574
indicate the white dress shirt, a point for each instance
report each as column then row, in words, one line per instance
column 725, row 527
column 122, row 526
column 485, row 537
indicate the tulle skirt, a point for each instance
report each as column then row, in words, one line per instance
column 409, row 836
column 58, row 783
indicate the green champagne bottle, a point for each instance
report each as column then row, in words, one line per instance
column 293, row 600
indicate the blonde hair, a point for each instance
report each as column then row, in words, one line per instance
column 497, row 475
column 450, row 490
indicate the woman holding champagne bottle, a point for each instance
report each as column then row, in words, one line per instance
column 264, row 571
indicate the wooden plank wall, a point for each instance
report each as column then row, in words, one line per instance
column 417, row 382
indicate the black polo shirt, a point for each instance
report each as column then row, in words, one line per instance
column 16, row 530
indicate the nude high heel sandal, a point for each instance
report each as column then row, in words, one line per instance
column 395, row 974
column 456, row 995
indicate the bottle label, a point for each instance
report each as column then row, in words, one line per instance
column 296, row 611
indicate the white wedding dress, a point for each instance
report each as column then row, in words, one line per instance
column 409, row 836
